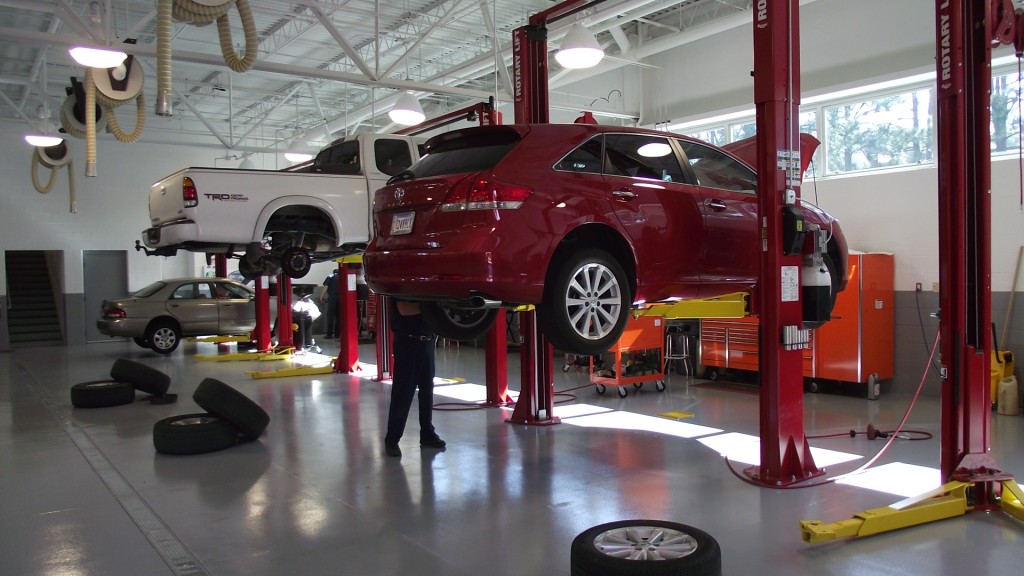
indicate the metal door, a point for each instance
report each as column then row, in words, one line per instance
column 105, row 276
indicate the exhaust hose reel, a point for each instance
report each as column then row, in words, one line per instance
column 54, row 158
column 116, row 86
column 201, row 12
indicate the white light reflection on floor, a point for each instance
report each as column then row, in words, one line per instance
column 897, row 478
column 464, row 392
column 630, row 421
column 746, row 449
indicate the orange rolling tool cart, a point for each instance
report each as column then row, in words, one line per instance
column 856, row 346
column 637, row 357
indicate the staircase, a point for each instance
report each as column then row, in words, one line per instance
column 32, row 317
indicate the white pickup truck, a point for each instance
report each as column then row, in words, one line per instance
column 277, row 220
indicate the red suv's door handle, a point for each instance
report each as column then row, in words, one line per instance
column 624, row 193
column 715, row 204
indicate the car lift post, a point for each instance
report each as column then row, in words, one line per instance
column 262, row 331
column 384, row 341
column 530, row 87
column 966, row 30
column 348, row 318
column 284, row 311
column 785, row 453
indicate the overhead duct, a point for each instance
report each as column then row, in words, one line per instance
column 201, row 12
column 54, row 158
column 117, row 86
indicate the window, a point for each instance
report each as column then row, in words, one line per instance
column 184, row 292
column 341, row 158
column 717, row 170
column 1005, row 109
column 642, row 156
column 235, row 292
column 585, row 158
column 459, row 152
column 888, row 131
column 203, row 290
column 392, row 156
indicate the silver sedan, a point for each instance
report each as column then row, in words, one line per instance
column 160, row 314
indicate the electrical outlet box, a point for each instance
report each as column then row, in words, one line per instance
column 935, row 286
column 917, row 287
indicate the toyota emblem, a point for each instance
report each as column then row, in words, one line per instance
column 399, row 193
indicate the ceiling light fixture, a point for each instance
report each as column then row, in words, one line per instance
column 579, row 49
column 298, row 151
column 47, row 135
column 407, row 111
column 97, row 57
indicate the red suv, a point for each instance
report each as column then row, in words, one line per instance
column 584, row 221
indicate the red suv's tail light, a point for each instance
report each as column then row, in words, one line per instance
column 189, row 193
column 480, row 193
column 114, row 313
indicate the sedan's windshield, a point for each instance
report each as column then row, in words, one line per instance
column 149, row 290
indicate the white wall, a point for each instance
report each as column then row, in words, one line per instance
column 112, row 207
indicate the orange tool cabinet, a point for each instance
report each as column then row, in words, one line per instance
column 856, row 345
column 637, row 357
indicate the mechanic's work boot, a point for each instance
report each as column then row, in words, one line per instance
column 392, row 450
column 432, row 442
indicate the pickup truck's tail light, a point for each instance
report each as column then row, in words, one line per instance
column 114, row 313
column 189, row 194
column 478, row 192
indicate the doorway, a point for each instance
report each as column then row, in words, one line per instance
column 105, row 276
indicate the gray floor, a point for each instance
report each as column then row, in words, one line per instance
column 83, row 492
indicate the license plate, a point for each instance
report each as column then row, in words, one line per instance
column 402, row 223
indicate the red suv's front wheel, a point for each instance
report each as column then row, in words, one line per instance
column 586, row 303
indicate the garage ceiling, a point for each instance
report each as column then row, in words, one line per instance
column 323, row 66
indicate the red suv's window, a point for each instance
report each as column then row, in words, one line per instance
column 585, row 158
column 472, row 151
column 642, row 156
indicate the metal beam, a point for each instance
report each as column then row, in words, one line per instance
column 340, row 39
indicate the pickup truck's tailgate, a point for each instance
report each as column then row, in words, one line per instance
column 165, row 200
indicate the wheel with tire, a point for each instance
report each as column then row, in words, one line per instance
column 163, row 336
column 600, row 388
column 193, row 434
column 659, row 385
column 295, row 262
column 141, row 342
column 711, row 373
column 222, row 400
column 621, row 391
column 249, row 270
column 586, row 303
column 645, row 547
column 102, row 393
column 142, row 377
column 458, row 323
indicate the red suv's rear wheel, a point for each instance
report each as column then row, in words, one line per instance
column 586, row 303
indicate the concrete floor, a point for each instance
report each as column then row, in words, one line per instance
column 83, row 492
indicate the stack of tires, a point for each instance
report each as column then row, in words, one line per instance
column 126, row 376
column 230, row 417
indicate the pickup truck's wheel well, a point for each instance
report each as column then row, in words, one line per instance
column 304, row 219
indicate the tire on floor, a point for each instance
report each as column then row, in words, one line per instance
column 647, row 547
column 193, row 434
column 218, row 398
column 144, row 378
column 102, row 393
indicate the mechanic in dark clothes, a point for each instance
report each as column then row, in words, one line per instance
column 413, row 368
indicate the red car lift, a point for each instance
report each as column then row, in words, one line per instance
column 785, row 453
column 966, row 30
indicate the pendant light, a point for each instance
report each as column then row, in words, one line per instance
column 579, row 49
column 407, row 111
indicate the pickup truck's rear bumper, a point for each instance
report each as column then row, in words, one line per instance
column 172, row 234
column 167, row 239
